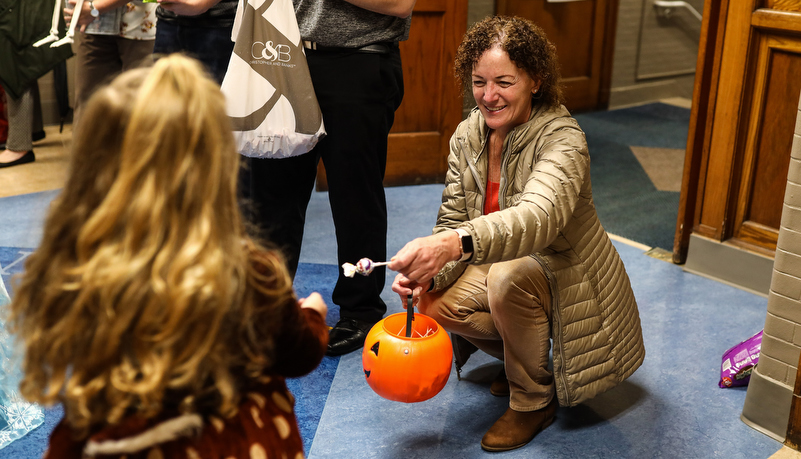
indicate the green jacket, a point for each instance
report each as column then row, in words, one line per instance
column 547, row 212
column 22, row 23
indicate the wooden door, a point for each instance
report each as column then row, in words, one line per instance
column 432, row 102
column 584, row 34
column 741, row 125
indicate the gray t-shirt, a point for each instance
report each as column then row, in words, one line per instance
column 338, row 23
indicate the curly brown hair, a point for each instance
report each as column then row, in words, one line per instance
column 526, row 45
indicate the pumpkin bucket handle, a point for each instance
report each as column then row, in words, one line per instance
column 409, row 315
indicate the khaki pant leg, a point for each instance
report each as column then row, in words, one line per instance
column 463, row 309
column 504, row 309
column 520, row 304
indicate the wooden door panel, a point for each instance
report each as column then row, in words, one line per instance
column 785, row 5
column 744, row 113
column 431, row 109
column 770, row 129
column 582, row 32
column 721, row 177
column 421, row 107
column 417, row 150
column 569, row 27
column 411, row 161
column 775, row 137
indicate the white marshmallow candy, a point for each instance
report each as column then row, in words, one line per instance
column 364, row 267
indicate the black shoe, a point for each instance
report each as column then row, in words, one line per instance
column 38, row 135
column 347, row 336
column 26, row 158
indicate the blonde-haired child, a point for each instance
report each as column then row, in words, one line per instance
column 147, row 311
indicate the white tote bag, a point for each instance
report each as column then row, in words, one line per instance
column 268, row 89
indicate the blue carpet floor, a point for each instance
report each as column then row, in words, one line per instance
column 315, row 386
column 628, row 203
column 671, row 407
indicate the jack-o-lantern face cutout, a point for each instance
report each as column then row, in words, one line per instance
column 404, row 369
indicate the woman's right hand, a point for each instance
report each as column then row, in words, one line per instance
column 315, row 302
column 422, row 258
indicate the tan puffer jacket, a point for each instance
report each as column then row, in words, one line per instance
column 547, row 212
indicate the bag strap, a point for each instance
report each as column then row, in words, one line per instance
column 240, row 13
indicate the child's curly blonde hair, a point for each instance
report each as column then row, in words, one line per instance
column 145, row 292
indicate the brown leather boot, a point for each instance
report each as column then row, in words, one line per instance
column 500, row 386
column 516, row 428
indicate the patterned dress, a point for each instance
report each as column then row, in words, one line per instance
column 263, row 427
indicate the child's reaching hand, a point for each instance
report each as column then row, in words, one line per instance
column 314, row 301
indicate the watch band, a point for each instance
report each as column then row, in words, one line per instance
column 92, row 10
column 465, row 244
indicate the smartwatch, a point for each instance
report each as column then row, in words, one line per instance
column 465, row 244
column 92, row 10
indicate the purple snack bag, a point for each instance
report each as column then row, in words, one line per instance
column 739, row 361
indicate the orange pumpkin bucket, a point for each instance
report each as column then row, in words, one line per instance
column 407, row 368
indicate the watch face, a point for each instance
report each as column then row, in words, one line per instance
column 467, row 244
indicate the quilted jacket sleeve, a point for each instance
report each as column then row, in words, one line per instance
column 453, row 210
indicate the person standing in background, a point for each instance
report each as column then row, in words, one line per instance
column 124, row 41
column 25, row 126
column 199, row 28
column 22, row 23
column 354, row 60
column 355, row 65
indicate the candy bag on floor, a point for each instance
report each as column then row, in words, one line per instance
column 739, row 361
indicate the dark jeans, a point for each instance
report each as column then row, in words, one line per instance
column 210, row 45
column 358, row 95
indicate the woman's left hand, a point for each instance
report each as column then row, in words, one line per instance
column 404, row 287
column 421, row 259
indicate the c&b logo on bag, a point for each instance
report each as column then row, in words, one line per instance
column 270, row 52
